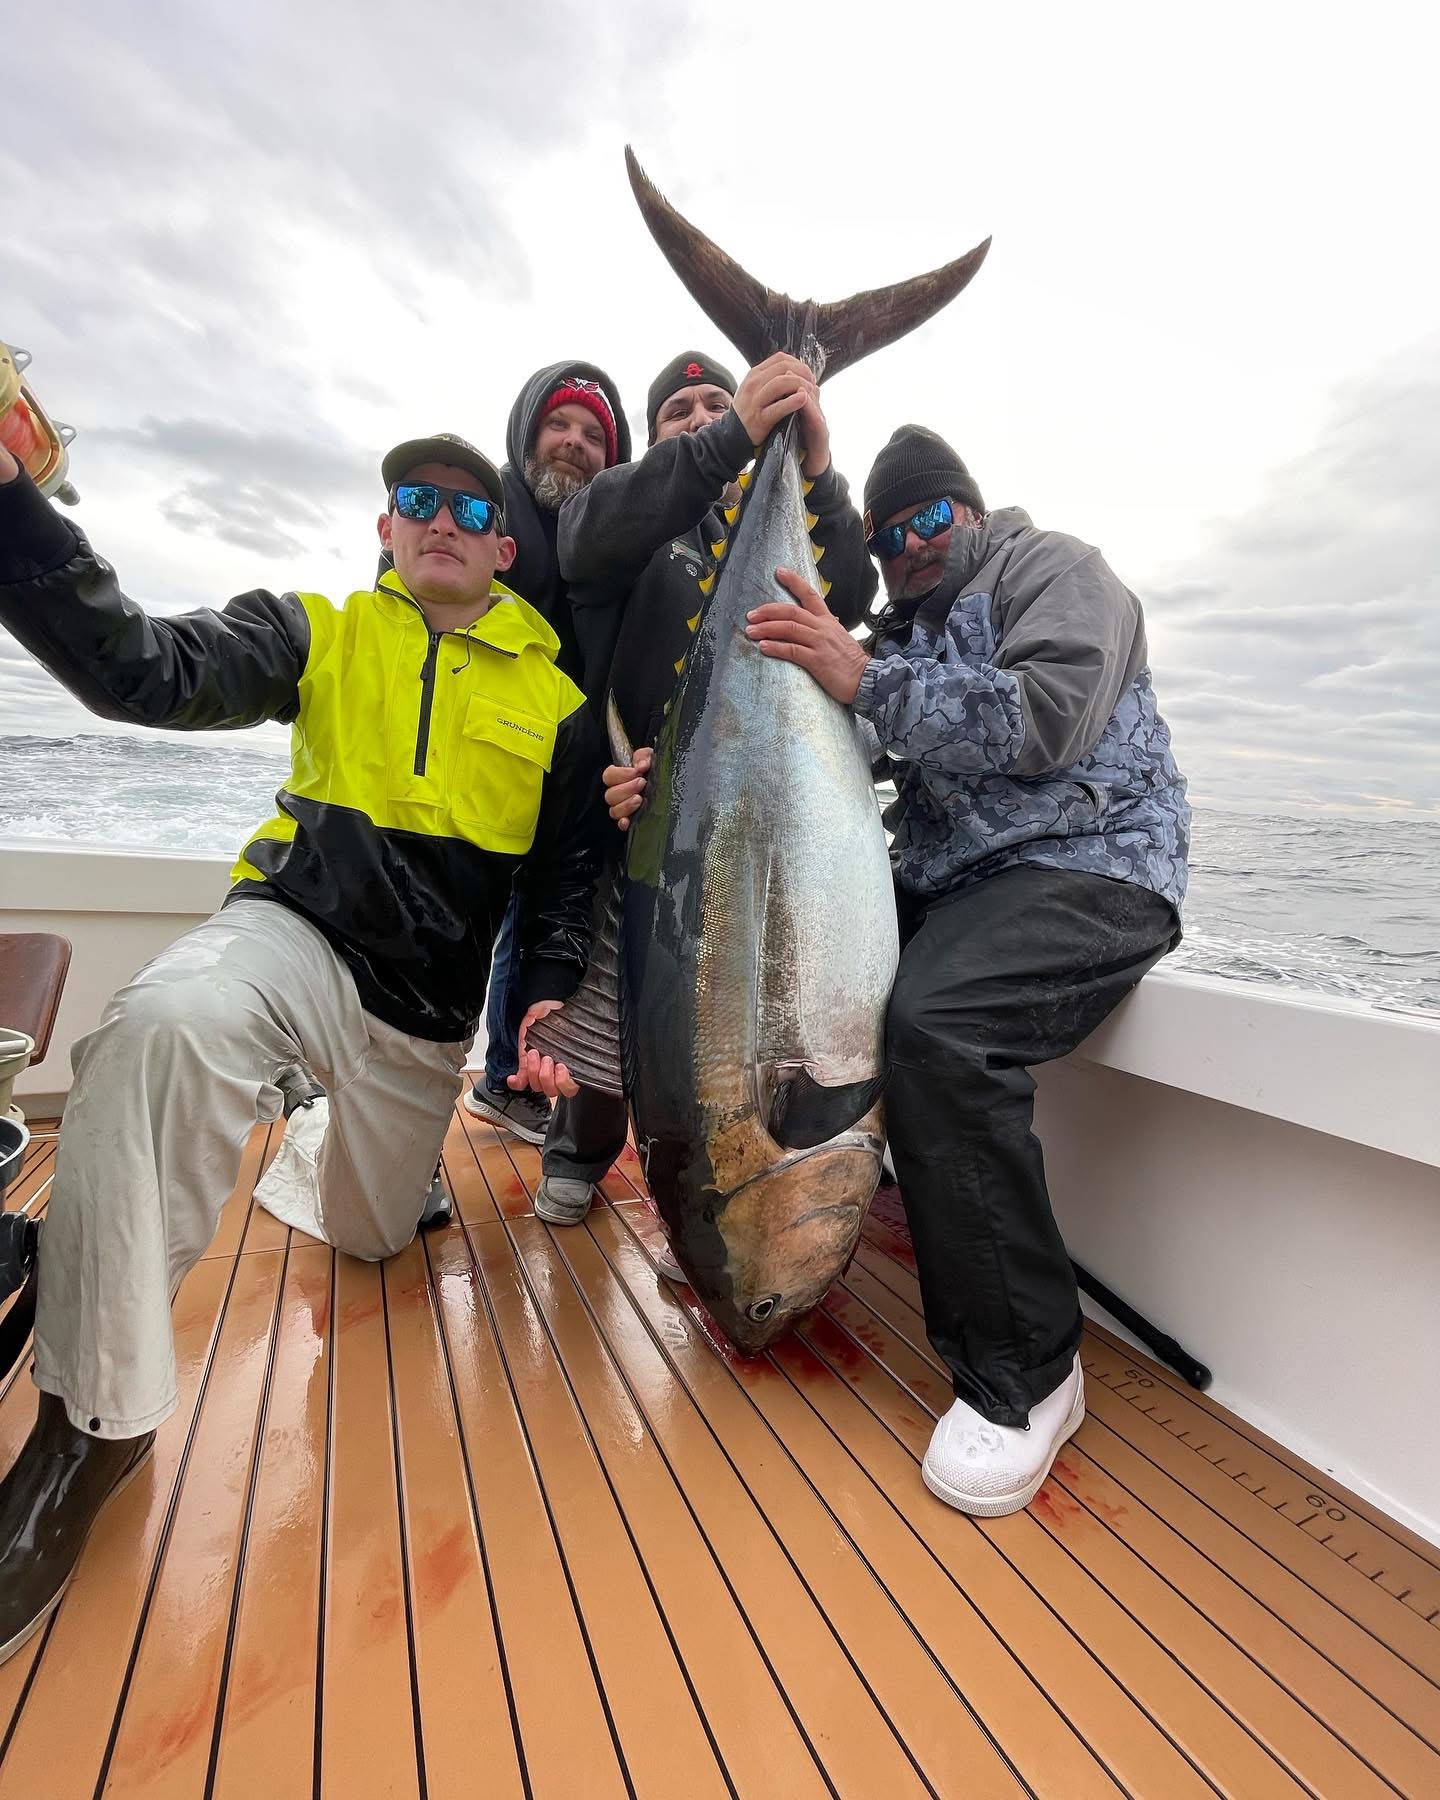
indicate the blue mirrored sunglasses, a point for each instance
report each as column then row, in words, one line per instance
column 421, row 500
column 929, row 522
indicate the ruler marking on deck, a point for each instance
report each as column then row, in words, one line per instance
column 1313, row 1503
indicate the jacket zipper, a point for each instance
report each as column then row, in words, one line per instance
column 427, row 701
column 427, row 681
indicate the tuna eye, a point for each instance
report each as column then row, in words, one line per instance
column 762, row 1309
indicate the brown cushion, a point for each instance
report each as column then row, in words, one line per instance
column 32, row 978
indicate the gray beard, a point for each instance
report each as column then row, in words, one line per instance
column 552, row 485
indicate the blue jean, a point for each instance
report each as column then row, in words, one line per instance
column 503, row 1011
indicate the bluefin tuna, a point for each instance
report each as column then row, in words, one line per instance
column 747, row 957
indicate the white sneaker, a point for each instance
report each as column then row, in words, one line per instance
column 988, row 1470
column 559, row 1201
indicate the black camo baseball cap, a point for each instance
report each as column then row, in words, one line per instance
column 444, row 447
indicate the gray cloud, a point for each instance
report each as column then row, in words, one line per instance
column 1307, row 632
column 246, row 487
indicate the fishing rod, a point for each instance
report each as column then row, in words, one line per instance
column 1158, row 1342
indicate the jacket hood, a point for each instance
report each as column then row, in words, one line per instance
column 525, row 413
column 969, row 549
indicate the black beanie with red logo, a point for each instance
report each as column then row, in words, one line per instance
column 688, row 369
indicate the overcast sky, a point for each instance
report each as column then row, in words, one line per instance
column 251, row 247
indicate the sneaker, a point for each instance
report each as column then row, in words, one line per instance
column 560, row 1201
column 667, row 1267
column 523, row 1114
column 988, row 1470
column 439, row 1208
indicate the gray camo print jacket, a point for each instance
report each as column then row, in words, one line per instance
column 1021, row 724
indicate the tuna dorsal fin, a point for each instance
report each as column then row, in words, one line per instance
column 758, row 320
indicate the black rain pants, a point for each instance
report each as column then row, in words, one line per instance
column 1018, row 969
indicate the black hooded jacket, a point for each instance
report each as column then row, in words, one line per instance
column 535, row 572
column 636, row 542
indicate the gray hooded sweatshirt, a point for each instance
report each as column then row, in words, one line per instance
column 1021, row 723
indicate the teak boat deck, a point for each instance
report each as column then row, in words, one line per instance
column 502, row 1517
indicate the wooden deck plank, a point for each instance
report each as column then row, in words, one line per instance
column 367, row 1736
column 166, row 1721
column 265, row 1232
column 599, row 1553
column 968, row 1685
column 1290, row 1488
column 549, row 1668
column 465, row 1716
column 61, row 1735
column 1218, row 1747
column 1390, row 1529
column 654, row 1712
column 1389, row 1621
column 463, row 1173
column 1309, row 1678
column 37, row 1170
column 266, row 1740
column 843, row 1654
column 235, row 1214
column 1355, row 1721
column 1260, row 1569
column 1008, row 1699
column 14, row 1683
column 508, row 1192
column 757, row 1739
column 1369, row 1655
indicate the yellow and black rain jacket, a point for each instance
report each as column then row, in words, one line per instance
column 429, row 770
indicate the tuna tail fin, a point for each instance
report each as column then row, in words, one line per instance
column 758, row 320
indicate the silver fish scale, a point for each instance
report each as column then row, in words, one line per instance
column 794, row 857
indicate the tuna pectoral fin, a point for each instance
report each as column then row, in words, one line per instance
column 804, row 1114
column 758, row 320
column 585, row 1033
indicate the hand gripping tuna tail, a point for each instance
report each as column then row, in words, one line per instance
column 830, row 335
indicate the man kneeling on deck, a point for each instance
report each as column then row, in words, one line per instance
column 438, row 753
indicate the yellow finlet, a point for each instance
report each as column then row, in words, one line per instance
column 811, row 520
column 817, row 551
column 708, row 583
column 694, row 624
column 825, row 586
column 743, row 478
column 679, row 665
column 732, row 513
column 718, row 550
column 805, row 486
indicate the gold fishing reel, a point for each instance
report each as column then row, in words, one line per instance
column 41, row 447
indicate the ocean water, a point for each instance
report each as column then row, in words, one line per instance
column 1331, row 905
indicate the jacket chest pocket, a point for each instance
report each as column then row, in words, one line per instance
column 502, row 755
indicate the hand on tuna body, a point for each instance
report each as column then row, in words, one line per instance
column 542, row 1073
column 809, row 634
column 625, row 787
column 774, row 389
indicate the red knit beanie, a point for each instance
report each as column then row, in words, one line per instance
column 575, row 390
